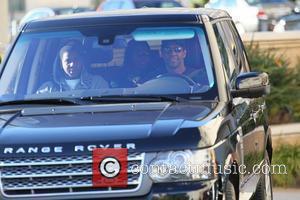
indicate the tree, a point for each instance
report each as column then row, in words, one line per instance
column 283, row 102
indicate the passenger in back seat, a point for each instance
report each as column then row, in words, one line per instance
column 140, row 65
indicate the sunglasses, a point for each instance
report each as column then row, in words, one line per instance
column 169, row 50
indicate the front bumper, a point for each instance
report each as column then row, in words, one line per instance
column 166, row 191
column 190, row 191
column 178, row 191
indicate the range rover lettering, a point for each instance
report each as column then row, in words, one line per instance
column 171, row 88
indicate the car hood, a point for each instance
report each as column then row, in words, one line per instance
column 142, row 126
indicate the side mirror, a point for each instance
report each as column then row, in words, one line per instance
column 251, row 85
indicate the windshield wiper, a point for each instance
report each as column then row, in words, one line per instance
column 59, row 101
column 134, row 98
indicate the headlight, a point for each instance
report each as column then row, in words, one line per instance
column 185, row 165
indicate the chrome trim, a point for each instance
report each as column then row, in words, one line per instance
column 58, row 187
column 52, row 175
column 45, row 175
column 121, row 107
column 75, row 182
column 83, row 161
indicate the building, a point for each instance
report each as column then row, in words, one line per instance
column 13, row 10
column 4, row 28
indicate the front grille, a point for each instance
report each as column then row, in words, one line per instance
column 58, row 175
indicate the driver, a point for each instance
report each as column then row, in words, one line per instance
column 174, row 53
column 71, row 74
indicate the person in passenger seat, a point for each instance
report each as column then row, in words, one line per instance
column 139, row 63
column 174, row 53
column 70, row 74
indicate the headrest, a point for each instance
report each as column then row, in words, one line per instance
column 98, row 55
column 57, row 69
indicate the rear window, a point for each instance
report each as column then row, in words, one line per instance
column 254, row 2
column 222, row 3
column 156, row 4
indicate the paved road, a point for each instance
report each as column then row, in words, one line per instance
column 286, row 194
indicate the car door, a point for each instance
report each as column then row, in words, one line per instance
column 240, row 112
column 257, row 106
column 247, row 112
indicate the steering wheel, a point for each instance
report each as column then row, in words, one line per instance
column 184, row 77
column 169, row 84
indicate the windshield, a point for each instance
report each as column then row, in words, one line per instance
column 108, row 61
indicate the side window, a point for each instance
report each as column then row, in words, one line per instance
column 226, row 56
column 232, row 46
column 245, row 65
column 236, row 46
column 9, row 77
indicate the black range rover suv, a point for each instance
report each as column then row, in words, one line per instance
column 190, row 101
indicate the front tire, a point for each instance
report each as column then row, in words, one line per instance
column 229, row 191
column 264, row 189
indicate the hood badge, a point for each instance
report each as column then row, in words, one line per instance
column 60, row 149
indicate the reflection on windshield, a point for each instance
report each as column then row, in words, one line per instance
column 106, row 62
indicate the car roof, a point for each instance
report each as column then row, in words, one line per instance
column 143, row 15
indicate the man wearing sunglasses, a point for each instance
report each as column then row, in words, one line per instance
column 174, row 53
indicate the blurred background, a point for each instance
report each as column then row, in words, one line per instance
column 270, row 30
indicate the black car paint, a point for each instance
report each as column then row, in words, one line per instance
column 149, row 133
column 158, row 130
column 237, row 130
